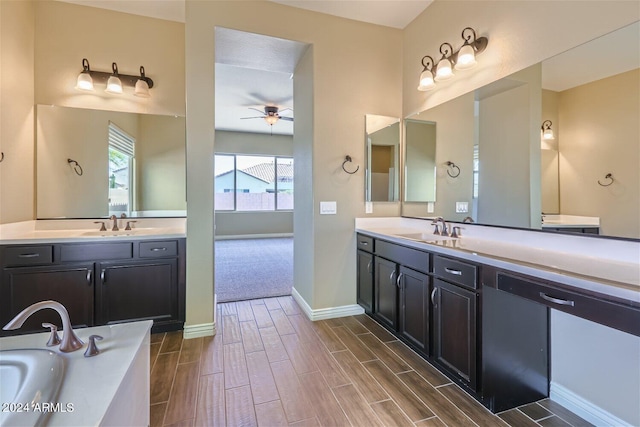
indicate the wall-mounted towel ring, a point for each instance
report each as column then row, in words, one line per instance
column 348, row 159
column 609, row 177
column 1, row 157
column 452, row 167
column 76, row 167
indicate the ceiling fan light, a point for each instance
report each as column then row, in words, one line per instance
column 444, row 71
column 466, row 58
column 271, row 119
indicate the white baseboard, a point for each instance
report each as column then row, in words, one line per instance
column 253, row 236
column 325, row 313
column 583, row 408
column 197, row 331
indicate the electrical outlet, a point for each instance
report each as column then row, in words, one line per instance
column 462, row 207
column 328, row 208
column 430, row 207
column 368, row 207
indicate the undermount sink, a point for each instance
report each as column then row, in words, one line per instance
column 108, row 233
column 425, row 237
column 29, row 377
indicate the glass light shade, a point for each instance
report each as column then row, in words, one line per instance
column 426, row 81
column 114, row 85
column 547, row 134
column 84, row 82
column 271, row 119
column 466, row 58
column 142, row 89
column 444, row 71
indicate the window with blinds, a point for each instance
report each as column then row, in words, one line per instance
column 121, row 161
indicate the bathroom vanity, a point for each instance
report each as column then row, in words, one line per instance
column 102, row 280
column 477, row 307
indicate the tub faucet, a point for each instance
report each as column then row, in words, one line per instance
column 115, row 223
column 70, row 341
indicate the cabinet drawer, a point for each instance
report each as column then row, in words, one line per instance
column 28, row 255
column 365, row 243
column 409, row 257
column 94, row 251
column 159, row 249
column 456, row 271
column 614, row 315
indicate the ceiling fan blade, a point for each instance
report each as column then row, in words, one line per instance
column 255, row 109
column 285, row 109
column 288, row 119
column 257, row 117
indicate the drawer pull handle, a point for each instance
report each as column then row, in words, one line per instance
column 369, row 267
column 28, row 255
column 433, row 296
column 453, row 271
column 557, row 300
column 158, row 249
column 364, row 243
column 399, row 279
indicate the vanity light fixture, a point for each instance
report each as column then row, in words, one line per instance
column 463, row 59
column 114, row 80
column 444, row 70
column 426, row 77
column 547, row 132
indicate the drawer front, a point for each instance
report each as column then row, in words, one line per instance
column 27, row 255
column 456, row 271
column 617, row 316
column 162, row 249
column 96, row 251
column 365, row 243
column 408, row 257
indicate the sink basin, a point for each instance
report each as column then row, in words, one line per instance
column 134, row 232
column 29, row 376
column 425, row 237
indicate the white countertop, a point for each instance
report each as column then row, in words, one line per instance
column 65, row 231
column 570, row 221
column 90, row 384
column 607, row 266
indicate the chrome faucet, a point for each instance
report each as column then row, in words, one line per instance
column 468, row 219
column 115, row 223
column 444, row 231
column 70, row 341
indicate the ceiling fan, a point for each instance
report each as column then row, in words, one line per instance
column 270, row 114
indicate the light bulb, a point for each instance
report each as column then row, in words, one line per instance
column 444, row 71
column 426, row 81
column 547, row 134
column 84, row 82
column 466, row 58
column 142, row 89
column 114, row 85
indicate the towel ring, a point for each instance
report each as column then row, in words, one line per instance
column 452, row 166
column 1, row 157
column 609, row 177
column 76, row 167
column 348, row 159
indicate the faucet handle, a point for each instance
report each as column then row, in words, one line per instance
column 128, row 227
column 102, row 227
column 457, row 231
column 92, row 348
column 54, row 338
column 436, row 229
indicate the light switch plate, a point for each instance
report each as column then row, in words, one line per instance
column 328, row 208
column 462, row 207
column 430, row 207
column 368, row 207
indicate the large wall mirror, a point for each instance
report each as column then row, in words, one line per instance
column 382, row 134
column 511, row 176
column 94, row 163
column 420, row 161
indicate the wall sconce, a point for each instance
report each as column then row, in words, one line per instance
column 463, row 59
column 547, row 132
column 114, row 80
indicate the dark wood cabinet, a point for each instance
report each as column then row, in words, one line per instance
column 137, row 291
column 413, row 322
column 454, row 330
column 386, row 291
column 71, row 285
column 98, row 282
column 365, row 281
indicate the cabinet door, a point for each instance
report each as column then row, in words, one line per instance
column 454, row 318
column 386, row 289
column 70, row 285
column 365, row 281
column 414, row 308
column 137, row 291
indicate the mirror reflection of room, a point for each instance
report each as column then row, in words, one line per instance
column 383, row 153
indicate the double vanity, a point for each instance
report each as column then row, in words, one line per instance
column 478, row 305
column 101, row 277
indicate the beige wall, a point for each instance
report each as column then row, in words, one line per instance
column 600, row 138
column 16, row 111
column 361, row 60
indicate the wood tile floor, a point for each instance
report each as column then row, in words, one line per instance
column 271, row 366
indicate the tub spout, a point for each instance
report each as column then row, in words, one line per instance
column 70, row 341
